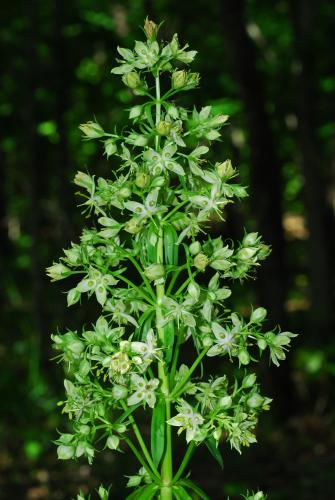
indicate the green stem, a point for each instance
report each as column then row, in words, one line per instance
column 140, row 459
column 178, row 389
column 141, row 441
column 174, row 278
column 166, row 467
column 184, row 462
column 134, row 287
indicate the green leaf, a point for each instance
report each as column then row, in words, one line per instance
column 181, row 493
column 151, row 239
column 158, row 432
column 170, row 246
column 193, row 487
column 169, row 340
column 214, row 450
column 146, row 492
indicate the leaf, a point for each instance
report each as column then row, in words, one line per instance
column 193, row 487
column 158, row 432
column 170, row 245
column 214, row 450
column 146, row 492
column 168, row 340
column 181, row 493
column 151, row 243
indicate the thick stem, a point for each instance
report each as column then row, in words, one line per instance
column 166, row 468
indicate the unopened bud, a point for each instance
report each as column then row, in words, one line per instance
column 249, row 381
column 110, row 147
column 195, row 248
column 112, row 442
column 244, row 357
column 225, row 402
column 179, row 79
column 142, row 180
column 225, row 169
column 163, row 128
column 154, row 271
column 255, row 401
column 200, row 261
column 132, row 80
column 92, row 130
column 150, row 29
column 258, row 315
column 194, row 290
column 119, row 392
column 133, row 226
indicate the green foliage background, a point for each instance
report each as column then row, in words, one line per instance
column 270, row 66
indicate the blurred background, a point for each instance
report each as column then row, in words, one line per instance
column 271, row 66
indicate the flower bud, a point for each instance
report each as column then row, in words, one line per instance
column 65, row 452
column 200, row 261
column 84, row 429
column 246, row 253
column 262, row 344
column 207, row 341
column 173, row 112
column 225, row 402
column 142, row 180
column 258, row 315
column 163, row 128
column 73, row 296
column 110, row 147
column 84, row 180
column 250, row 239
column 259, row 496
column 133, row 226
column 57, row 271
column 154, row 271
column 249, row 381
column 135, row 112
column 225, row 169
column 217, row 434
column 158, row 182
column 194, row 290
column 192, row 80
column 179, row 79
column 244, row 357
column 195, row 248
column 112, row 442
column 92, row 130
column 132, row 80
column 263, row 252
column 124, row 192
column 150, row 29
column 76, row 346
column 255, row 401
column 119, row 392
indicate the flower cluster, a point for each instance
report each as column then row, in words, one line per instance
column 160, row 282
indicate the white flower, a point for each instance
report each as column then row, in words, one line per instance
column 144, row 391
column 179, row 312
column 97, row 282
column 163, row 160
column 148, row 350
column 208, row 203
column 187, row 419
column 146, row 209
column 224, row 340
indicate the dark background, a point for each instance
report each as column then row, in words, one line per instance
column 271, row 66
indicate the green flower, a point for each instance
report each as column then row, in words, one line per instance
column 144, row 391
column 187, row 419
column 159, row 162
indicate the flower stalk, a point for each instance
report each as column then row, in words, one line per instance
column 152, row 218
